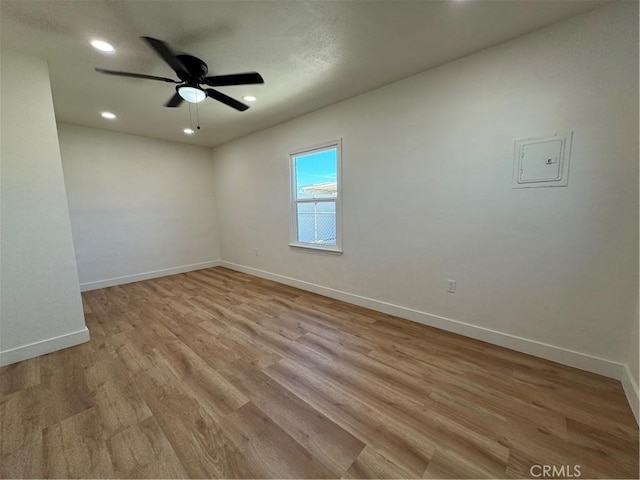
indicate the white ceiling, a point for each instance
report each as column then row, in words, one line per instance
column 310, row 53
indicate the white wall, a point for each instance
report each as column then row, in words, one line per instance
column 40, row 309
column 427, row 165
column 140, row 207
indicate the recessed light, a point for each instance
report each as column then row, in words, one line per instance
column 108, row 115
column 249, row 98
column 188, row 131
column 102, row 46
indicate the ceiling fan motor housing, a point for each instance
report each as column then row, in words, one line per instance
column 196, row 67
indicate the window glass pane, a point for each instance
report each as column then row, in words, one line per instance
column 317, row 222
column 316, row 174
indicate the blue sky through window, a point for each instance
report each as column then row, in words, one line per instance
column 317, row 167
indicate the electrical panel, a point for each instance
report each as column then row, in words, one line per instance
column 542, row 161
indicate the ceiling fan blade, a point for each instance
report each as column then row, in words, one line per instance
column 169, row 56
column 135, row 75
column 174, row 101
column 247, row 78
column 227, row 100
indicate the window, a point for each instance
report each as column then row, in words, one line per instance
column 316, row 197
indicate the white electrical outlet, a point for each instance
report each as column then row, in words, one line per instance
column 452, row 286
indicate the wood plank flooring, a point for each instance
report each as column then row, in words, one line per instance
column 217, row 374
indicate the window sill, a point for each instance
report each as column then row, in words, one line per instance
column 317, row 248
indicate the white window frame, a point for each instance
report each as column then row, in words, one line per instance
column 294, row 201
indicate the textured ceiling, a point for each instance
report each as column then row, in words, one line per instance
column 310, row 53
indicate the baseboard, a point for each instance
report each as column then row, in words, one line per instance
column 42, row 347
column 631, row 391
column 111, row 282
column 554, row 353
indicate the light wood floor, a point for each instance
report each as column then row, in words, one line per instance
column 220, row 374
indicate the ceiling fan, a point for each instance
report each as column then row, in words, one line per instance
column 192, row 73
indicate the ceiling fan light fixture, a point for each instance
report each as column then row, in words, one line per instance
column 102, row 46
column 192, row 94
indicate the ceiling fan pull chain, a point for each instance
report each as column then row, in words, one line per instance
column 190, row 118
column 198, row 116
